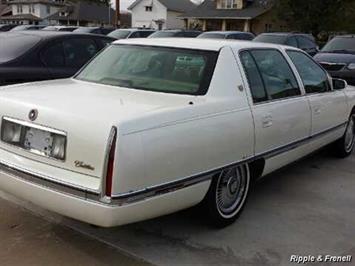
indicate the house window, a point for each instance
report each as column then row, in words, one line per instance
column 228, row 4
column 48, row 9
column 19, row 9
column 32, row 9
column 148, row 9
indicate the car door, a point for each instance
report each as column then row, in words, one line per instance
column 328, row 106
column 280, row 109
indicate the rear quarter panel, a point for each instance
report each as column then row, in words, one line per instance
column 217, row 130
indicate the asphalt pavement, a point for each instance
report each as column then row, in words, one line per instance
column 307, row 208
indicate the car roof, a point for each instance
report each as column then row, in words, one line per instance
column 198, row 44
column 134, row 29
column 51, row 34
column 345, row 36
column 227, row 32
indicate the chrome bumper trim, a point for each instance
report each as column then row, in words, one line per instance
column 47, row 183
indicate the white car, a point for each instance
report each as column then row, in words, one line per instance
column 153, row 126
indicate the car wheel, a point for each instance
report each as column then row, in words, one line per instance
column 227, row 195
column 345, row 146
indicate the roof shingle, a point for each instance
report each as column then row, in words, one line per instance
column 208, row 10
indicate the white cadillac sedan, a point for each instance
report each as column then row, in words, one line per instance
column 153, row 126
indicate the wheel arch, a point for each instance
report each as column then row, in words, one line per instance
column 256, row 169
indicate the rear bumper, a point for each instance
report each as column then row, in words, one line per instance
column 99, row 213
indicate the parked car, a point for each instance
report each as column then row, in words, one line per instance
column 233, row 35
column 338, row 57
column 175, row 33
column 152, row 126
column 37, row 55
column 60, row 28
column 6, row 27
column 303, row 41
column 94, row 30
column 27, row 27
column 130, row 33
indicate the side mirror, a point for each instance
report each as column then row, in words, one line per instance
column 339, row 84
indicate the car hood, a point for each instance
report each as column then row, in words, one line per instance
column 85, row 111
column 335, row 58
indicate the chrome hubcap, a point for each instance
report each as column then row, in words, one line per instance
column 350, row 135
column 231, row 191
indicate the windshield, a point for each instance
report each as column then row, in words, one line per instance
column 277, row 39
column 19, row 28
column 160, row 69
column 211, row 36
column 13, row 46
column 120, row 34
column 163, row 34
column 84, row 30
column 340, row 44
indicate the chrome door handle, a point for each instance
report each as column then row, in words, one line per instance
column 267, row 121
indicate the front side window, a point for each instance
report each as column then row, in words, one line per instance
column 277, row 77
column 314, row 78
column 159, row 69
column 78, row 51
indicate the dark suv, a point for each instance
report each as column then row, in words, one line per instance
column 176, row 34
column 228, row 35
column 303, row 41
column 338, row 58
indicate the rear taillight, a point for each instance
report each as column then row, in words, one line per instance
column 110, row 163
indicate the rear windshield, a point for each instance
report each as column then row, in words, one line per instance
column 340, row 44
column 164, row 34
column 211, row 36
column 13, row 46
column 159, row 69
column 84, row 30
column 277, row 39
column 120, row 34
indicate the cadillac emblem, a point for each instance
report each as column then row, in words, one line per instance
column 33, row 114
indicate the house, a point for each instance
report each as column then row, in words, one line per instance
column 83, row 13
column 29, row 11
column 240, row 15
column 159, row 14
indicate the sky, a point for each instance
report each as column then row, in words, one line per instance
column 125, row 4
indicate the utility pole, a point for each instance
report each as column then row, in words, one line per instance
column 118, row 14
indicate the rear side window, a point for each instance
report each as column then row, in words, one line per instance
column 291, row 41
column 304, row 43
column 255, row 81
column 53, row 55
column 277, row 77
column 136, row 34
column 78, row 51
column 314, row 78
column 15, row 45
